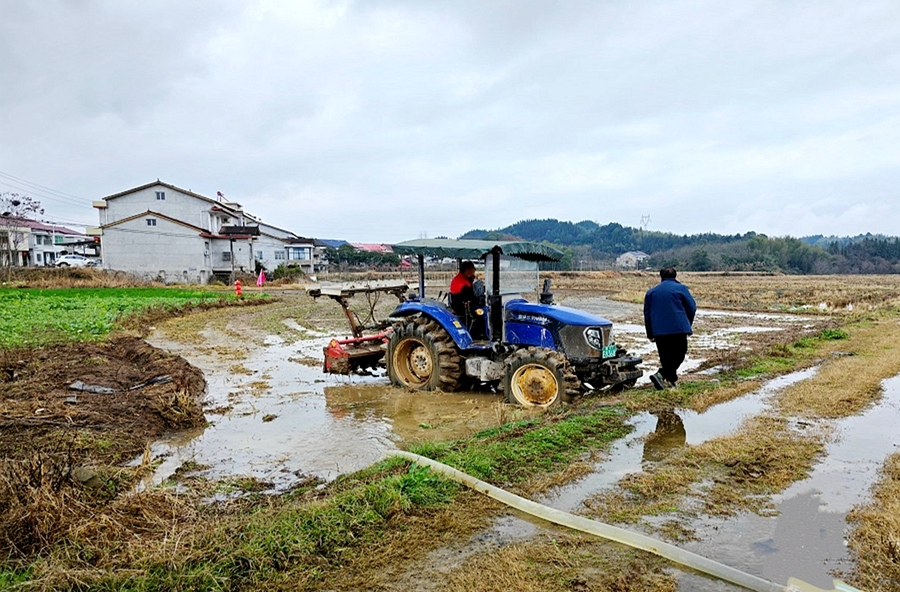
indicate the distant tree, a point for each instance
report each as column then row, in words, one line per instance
column 15, row 208
column 699, row 261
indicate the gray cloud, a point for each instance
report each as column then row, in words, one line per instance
column 386, row 120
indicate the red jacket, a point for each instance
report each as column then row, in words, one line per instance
column 459, row 283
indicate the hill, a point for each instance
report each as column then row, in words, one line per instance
column 591, row 246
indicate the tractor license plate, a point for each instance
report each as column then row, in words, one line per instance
column 609, row 351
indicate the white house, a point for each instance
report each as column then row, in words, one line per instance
column 33, row 243
column 46, row 242
column 631, row 259
column 161, row 231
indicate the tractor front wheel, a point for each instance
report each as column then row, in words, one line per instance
column 422, row 356
column 539, row 377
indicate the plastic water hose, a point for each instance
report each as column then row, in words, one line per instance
column 613, row 533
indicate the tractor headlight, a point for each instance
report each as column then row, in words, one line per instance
column 594, row 337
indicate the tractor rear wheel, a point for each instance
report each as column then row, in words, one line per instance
column 422, row 356
column 539, row 377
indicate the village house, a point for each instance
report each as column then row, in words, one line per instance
column 160, row 231
column 37, row 244
column 631, row 259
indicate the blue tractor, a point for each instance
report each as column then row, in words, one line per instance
column 538, row 353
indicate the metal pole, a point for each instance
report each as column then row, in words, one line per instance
column 421, row 259
column 496, row 303
column 231, row 246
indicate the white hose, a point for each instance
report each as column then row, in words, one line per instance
column 613, row 533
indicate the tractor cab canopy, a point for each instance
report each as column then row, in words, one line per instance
column 490, row 252
column 477, row 249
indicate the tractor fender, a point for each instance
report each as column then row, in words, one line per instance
column 440, row 313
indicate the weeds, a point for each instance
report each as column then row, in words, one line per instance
column 309, row 538
column 875, row 535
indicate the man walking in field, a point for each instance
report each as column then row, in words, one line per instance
column 669, row 311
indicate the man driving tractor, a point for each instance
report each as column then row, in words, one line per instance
column 464, row 301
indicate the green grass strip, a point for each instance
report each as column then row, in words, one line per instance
column 289, row 539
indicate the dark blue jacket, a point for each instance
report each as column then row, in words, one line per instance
column 669, row 309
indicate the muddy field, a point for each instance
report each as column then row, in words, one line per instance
column 757, row 460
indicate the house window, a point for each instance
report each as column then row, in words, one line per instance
column 151, row 221
column 279, row 255
column 38, row 239
column 259, row 255
column 298, row 253
column 58, row 240
column 160, row 195
column 226, row 255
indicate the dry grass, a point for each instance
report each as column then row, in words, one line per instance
column 73, row 277
column 653, row 493
column 764, row 456
column 849, row 383
column 46, row 499
column 703, row 400
column 565, row 564
column 834, row 294
column 875, row 535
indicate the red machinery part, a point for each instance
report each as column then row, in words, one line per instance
column 342, row 356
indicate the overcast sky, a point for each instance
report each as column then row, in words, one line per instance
column 382, row 121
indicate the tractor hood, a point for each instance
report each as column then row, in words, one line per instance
column 528, row 312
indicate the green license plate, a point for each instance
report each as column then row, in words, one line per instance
column 609, row 351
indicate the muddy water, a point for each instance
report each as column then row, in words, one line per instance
column 806, row 538
column 275, row 416
column 714, row 330
column 653, row 436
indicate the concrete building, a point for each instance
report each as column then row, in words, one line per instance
column 631, row 259
column 160, row 231
column 38, row 244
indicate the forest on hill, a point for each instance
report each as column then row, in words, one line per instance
column 589, row 245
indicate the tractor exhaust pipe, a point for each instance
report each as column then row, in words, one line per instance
column 546, row 294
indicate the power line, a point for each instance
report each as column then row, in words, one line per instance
column 44, row 193
column 47, row 191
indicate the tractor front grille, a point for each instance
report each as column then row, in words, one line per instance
column 575, row 340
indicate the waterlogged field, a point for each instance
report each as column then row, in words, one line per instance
column 728, row 469
column 43, row 317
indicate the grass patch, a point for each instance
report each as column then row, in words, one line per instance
column 37, row 317
column 875, row 536
column 512, row 453
column 851, row 381
column 300, row 541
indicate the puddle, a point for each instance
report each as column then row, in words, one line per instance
column 806, row 539
column 651, row 439
column 276, row 417
column 714, row 330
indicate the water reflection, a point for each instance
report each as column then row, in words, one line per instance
column 668, row 435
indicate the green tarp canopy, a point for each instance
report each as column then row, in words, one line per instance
column 476, row 249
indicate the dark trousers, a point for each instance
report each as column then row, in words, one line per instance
column 672, row 349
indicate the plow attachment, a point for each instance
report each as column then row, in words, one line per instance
column 365, row 349
column 355, row 354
